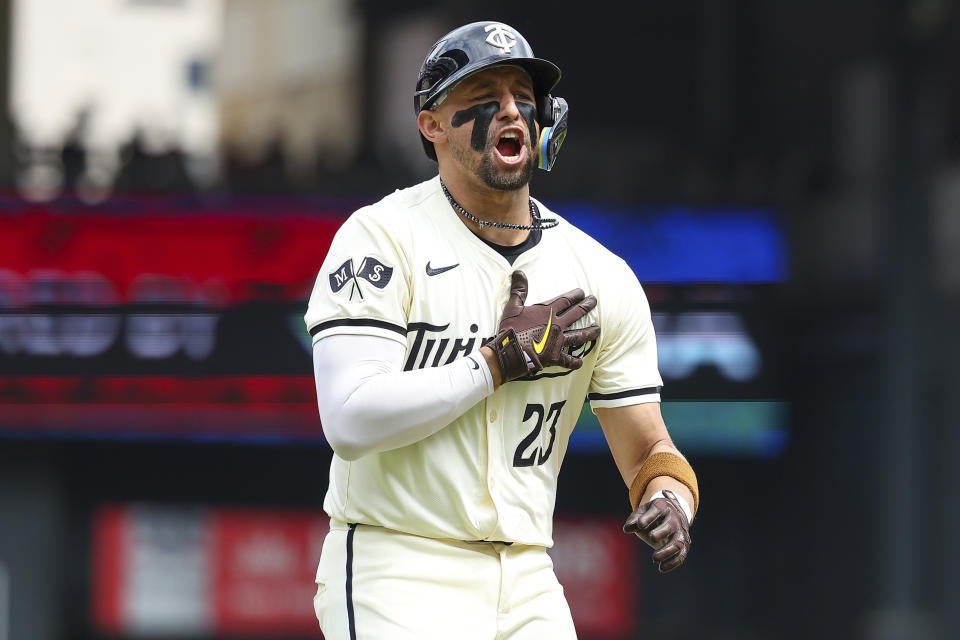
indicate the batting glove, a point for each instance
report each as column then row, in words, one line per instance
column 663, row 525
column 533, row 338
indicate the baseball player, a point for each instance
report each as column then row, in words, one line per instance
column 458, row 326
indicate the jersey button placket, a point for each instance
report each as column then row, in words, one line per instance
column 495, row 404
column 494, row 437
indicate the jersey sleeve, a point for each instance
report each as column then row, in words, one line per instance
column 626, row 371
column 363, row 287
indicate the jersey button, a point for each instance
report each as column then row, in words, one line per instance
column 493, row 416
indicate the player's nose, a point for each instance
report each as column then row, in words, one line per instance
column 508, row 106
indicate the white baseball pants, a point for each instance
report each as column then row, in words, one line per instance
column 379, row 584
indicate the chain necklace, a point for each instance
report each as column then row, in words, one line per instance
column 538, row 222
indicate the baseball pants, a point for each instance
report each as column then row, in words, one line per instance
column 375, row 583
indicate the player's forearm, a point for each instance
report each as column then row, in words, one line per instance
column 368, row 404
column 395, row 409
column 660, row 483
column 493, row 365
column 645, row 455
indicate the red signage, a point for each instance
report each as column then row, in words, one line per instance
column 162, row 571
column 160, row 320
column 226, row 406
column 264, row 565
column 597, row 566
column 200, row 256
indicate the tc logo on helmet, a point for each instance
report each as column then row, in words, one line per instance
column 500, row 36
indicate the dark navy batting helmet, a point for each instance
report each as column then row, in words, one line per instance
column 475, row 47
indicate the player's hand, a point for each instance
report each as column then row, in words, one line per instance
column 662, row 524
column 532, row 338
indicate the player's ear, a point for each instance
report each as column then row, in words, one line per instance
column 431, row 127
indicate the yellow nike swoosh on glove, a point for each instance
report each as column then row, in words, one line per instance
column 539, row 345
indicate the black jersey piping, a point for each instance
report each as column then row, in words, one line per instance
column 624, row 394
column 357, row 322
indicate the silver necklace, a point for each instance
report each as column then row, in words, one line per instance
column 538, row 222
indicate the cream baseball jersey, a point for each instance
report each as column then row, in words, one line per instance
column 408, row 269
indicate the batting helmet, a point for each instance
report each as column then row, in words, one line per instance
column 475, row 47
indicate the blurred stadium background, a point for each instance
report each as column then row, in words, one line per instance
column 783, row 176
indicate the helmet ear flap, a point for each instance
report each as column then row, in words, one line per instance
column 553, row 134
column 545, row 111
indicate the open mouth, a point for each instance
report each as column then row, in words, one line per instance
column 510, row 147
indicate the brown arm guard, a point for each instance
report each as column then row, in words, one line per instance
column 664, row 464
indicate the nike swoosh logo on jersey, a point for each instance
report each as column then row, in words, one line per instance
column 474, row 363
column 539, row 345
column 433, row 272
